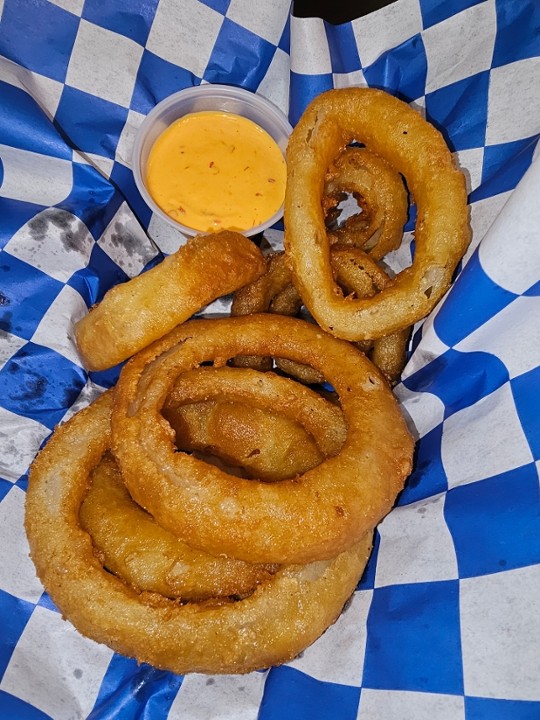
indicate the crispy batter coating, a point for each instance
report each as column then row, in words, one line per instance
column 381, row 194
column 360, row 277
column 321, row 419
column 314, row 516
column 399, row 134
column 271, row 626
column 135, row 313
column 132, row 545
column 254, row 297
column 261, row 443
column 357, row 274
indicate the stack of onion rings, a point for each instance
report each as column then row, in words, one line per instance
column 317, row 515
column 273, row 624
column 208, row 518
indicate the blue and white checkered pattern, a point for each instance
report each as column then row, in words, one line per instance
column 445, row 622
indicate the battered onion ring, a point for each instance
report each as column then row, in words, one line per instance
column 314, row 516
column 145, row 308
column 389, row 354
column 274, row 624
column 287, row 302
column 321, row 419
column 265, row 444
column 361, row 277
column 379, row 190
column 357, row 274
column 257, row 297
column 132, row 545
column 396, row 132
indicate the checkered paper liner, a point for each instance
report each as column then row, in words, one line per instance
column 444, row 623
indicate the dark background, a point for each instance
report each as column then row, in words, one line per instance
column 337, row 12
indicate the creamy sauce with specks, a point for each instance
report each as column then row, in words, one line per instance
column 216, row 171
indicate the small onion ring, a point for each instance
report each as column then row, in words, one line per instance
column 359, row 276
column 314, row 516
column 323, row 420
column 280, row 619
column 264, row 444
column 379, row 228
column 396, row 132
column 143, row 309
column 256, row 297
column 133, row 546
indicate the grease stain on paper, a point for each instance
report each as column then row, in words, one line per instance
column 128, row 241
column 74, row 233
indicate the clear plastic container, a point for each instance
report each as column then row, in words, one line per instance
column 196, row 99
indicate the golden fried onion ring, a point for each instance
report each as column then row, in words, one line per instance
column 271, row 626
column 380, row 191
column 323, row 420
column 315, row 516
column 396, row 132
column 360, row 277
column 264, row 444
column 357, row 274
column 255, row 297
column 132, row 545
column 137, row 312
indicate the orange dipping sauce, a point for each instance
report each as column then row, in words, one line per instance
column 214, row 171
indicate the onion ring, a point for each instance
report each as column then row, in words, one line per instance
column 321, row 419
column 135, row 313
column 315, row 516
column 361, row 277
column 357, row 274
column 264, row 444
column 132, row 545
column 380, row 192
column 396, row 132
column 256, row 297
column 271, row 626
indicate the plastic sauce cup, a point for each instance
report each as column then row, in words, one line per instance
column 196, row 99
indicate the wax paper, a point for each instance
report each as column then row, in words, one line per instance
column 444, row 623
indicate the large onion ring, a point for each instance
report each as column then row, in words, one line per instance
column 132, row 545
column 314, row 516
column 281, row 618
column 393, row 130
column 135, row 313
